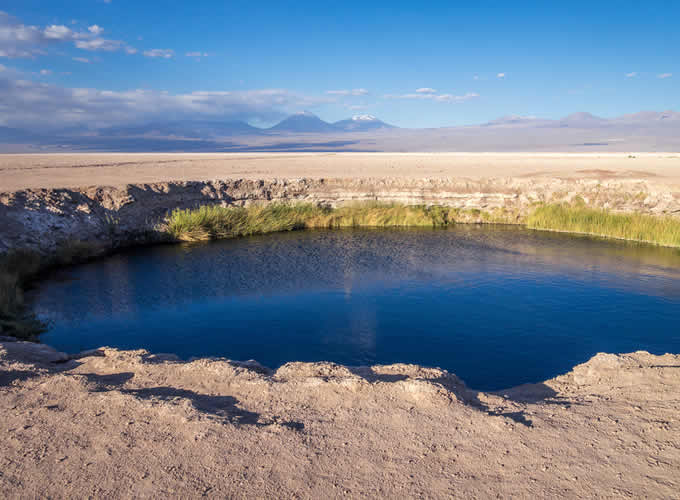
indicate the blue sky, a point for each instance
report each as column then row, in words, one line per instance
column 413, row 64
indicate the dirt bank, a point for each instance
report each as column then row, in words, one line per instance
column 110, row 216
column 128, row 423
column 117, row 199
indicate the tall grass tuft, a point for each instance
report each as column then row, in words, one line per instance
column 659, row 230
column 216, row 222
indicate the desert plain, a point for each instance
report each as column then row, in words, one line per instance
column 19, row 171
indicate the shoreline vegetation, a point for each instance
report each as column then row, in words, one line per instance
column 20, row 267
column 580, row 219
column 217, row 222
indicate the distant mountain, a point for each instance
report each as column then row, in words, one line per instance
column 9, row 135
column 515, row 120
column 361, row 123
column 303, row 123
column 646, row 118
column 187, row 129
column 643, row 131
column 581, row 120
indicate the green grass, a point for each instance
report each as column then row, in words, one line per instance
column 216, row 222
column 658, row 230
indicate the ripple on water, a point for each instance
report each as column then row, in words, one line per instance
column 498, row 306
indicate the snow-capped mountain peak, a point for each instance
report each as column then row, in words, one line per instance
column 364, row 118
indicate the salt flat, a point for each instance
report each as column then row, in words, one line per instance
column 115, row 169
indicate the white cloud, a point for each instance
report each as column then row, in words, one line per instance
column 632, row 74
column 45, row 72
column 197, row 54
column 99, row 44
column 19, row 40
column 58, row 32
column 82, row 60
column 665, row 75
column 37, row 105
column 426, row 90
column 500, row 75
column 435, row 97
column 163, row 53
column 352, row 92
column 456, row 98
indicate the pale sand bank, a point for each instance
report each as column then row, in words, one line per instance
column 129, row 424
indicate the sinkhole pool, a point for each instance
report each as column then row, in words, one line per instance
column 496, row 305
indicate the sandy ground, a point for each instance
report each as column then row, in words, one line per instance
column 130, row 424
column 77, row 170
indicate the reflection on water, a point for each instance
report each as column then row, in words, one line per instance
column 498, row 306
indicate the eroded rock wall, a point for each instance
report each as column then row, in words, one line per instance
column 108, row 216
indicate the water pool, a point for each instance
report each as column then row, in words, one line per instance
column 498, row 306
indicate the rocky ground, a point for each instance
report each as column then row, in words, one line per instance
column 129, row 423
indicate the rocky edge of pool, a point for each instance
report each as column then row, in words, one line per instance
column 129, row 423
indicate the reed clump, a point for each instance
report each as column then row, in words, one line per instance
column 578, row 218
column 217, row 222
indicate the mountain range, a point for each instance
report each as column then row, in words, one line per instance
column 588, row 120
column 308, row 123
column 304, row 131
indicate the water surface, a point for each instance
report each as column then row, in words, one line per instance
column 498, row 306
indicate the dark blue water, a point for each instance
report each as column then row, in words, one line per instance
column 497, row 306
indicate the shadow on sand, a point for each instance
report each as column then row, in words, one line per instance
column 517, row 396
column 511, row 403
column 223, row 407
